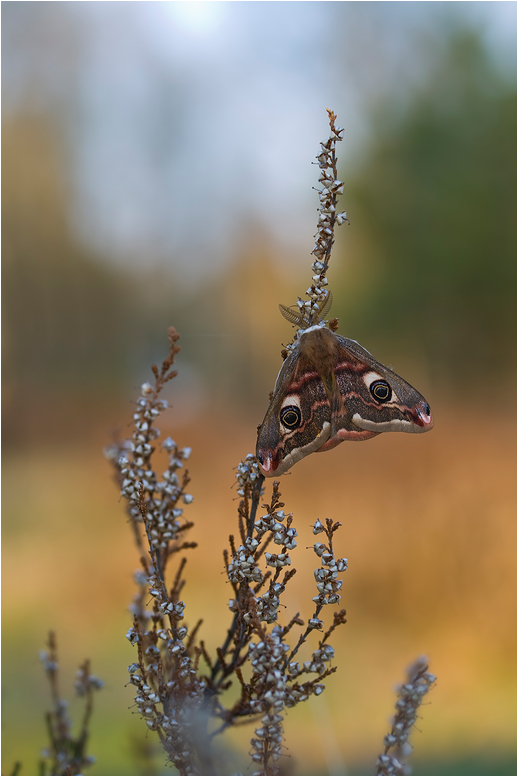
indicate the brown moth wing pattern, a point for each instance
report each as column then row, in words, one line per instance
column 323, row 396
column 298, row 385
column 405, row 411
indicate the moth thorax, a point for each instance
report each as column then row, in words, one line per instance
column 318, row 345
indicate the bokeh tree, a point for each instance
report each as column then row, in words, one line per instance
column 435, row 204
column 65, row 313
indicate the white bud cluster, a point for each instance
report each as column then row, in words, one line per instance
column 298, row 693
column 243, row 566
column 160, row 498
column 268, row 696
column 85, row 681
column 317, row 665
column 172, row 639
column 49, row 664
column 154, row 694
column 319, row 659
column 169, row 693
column 326, row 576
column 388, row 764
column 146, row 699
column 309, row 307
column 267, row 605
column 133, row 636
column 173, row 610
column 66, row 751
column 282, row 535
column 247, row 473
column 157, row 499
column 330, row 189
column 411, row 695
column 277, row 560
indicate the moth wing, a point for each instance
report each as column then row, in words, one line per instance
column 300, row 386
column 406, row 392
column 356, row 370
column 328, row 383
column 342, row 387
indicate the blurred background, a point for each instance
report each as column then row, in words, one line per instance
column 156, row 171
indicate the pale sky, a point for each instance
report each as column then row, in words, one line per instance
column 188, row 121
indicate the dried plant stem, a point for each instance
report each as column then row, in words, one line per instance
column 179, row 686
column 411, row 695
column 231, row 634
column 256, row 495
column 66, row 753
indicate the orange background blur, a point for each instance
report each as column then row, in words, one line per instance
column 156, row 172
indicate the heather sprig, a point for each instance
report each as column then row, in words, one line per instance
column 169, row 691
column 328, row 217
column 179, row 686
column 275, row 682
column 411, row 695
column 310, row 311
column 174, row 694
column 66, row 753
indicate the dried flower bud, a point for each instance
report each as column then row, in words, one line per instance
column 132, row 635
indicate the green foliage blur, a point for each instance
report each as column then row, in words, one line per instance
column 435, row 202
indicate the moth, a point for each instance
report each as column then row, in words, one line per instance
column 331, row 389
